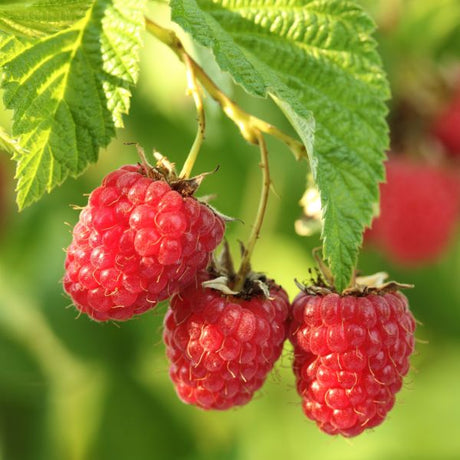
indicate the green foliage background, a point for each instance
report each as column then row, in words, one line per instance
column 74, row 389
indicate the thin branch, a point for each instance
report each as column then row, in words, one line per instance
column 248, row 124
column 195, row 92
column 245, row 266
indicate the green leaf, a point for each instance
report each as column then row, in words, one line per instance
column 69, row 91
column 312, row 57
column 41, row 17
column 8, row 144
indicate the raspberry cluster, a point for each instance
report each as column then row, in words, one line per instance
column 350, row 355
column 221, row 347
column 142, row 239
column 137, row 242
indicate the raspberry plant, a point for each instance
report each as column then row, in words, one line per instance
column 68, row 68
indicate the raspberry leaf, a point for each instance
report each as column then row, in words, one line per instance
column 41, row 17
column 68, row 90
column 318, row 61
column 8, row 144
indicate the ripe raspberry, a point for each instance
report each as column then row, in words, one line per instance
column 446, row 127
column 418, row 212
column 137, row 242
column 350, row 354
column 221, row 347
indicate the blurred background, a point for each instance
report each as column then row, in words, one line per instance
column 73, row 389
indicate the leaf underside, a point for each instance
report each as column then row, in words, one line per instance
column 69, row 88
column 318, row 61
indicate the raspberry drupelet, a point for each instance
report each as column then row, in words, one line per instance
column 221, row 347
column 137, row 242
column 350, row 356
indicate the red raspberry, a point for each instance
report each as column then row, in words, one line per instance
column 350, row 355
column 446, row 127
column 136, row 243
column 221, row 347
column 418, row 212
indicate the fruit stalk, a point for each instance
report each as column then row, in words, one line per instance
column 195, row 92
column 248, row 124
column 248, row 250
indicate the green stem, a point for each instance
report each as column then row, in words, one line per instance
column 248, row 124
column 195, row 92
column 245, row 266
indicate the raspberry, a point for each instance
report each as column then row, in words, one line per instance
column 136, row 243
column 446, row 127
column 221, row 347
column 350, row 355
column 418, row 212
